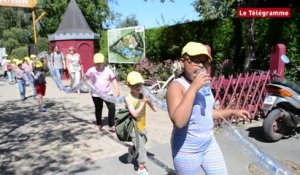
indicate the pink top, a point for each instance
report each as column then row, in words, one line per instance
column 26, row 67
column 102, row 80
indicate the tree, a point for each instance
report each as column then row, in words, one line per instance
column 94, row 11
column 14, row 37
column 129, row 21
column 15, row 30
column 215, row 9
column 218, row 9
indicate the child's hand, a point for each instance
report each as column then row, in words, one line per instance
column 200, row 80
column 145, row 99
column 243, row 114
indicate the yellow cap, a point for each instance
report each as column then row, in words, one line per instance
column 15, row 60
column 38, row 64
column 194, row 48
column 134, row 77
column 98, row 58
column 27, row 58
column 32, row 56
column 18, row 62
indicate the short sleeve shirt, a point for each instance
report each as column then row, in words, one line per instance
column 57, row 59
column 74, row 62
column 102, row 80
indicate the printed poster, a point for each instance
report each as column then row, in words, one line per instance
column 126, row 45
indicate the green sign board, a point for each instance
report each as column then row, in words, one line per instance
column 126, row 45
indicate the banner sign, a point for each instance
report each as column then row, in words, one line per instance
column 19, row 3
column 126, row 45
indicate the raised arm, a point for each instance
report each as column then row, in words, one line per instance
column 134, row 112
column 180, row 104
column 151, row 105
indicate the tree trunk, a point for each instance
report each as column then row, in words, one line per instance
column 249, row 53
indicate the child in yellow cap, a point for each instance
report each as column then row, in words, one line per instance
column 191, row 110
column 136, row 104
column 39, row 83
column 103, row 78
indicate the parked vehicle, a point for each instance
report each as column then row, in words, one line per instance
column 282, row 109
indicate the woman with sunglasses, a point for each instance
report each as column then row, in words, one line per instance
column 74, row 67
column 191, row 109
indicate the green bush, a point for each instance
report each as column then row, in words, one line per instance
column 19, row 52
column 42, row 44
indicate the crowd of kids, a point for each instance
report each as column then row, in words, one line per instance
column 190, row 104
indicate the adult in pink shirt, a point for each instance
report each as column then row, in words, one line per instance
column 103, row 78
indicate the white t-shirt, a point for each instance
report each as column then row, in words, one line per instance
column 73, row 62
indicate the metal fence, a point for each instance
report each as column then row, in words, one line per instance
column 244, row 91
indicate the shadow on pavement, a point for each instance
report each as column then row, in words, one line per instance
column 257, row 133
column 38, row 143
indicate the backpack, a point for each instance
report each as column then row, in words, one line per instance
column 40, row 79
column 124, row 123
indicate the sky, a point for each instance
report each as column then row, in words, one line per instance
column 150, row 13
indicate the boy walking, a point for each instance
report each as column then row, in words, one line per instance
column 136, row 104
column 40, row 84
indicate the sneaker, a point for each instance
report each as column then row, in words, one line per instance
column 98, row 127
column 42, row 109
column 112, row 129
column 143, row 171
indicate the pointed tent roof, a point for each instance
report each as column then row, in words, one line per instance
column 73, row 25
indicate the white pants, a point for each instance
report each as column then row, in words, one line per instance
column 75, row 78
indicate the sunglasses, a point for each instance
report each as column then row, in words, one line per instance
column 198, row 60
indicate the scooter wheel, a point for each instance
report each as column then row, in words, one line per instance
column 272, row 125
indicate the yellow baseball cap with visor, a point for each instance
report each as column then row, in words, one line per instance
column 27, row 58
column 195, row 48
column 32, row 56
column 18, row 62
column 134, row 78
column 38, row 64
column 15, row 60
column 98, row 58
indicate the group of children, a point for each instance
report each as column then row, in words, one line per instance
column 190, row 108
column 27, row 71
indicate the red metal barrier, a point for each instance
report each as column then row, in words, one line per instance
column 246, row 91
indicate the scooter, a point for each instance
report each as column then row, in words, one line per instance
column 281, row 108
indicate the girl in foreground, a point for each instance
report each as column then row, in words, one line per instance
column 190, row 107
